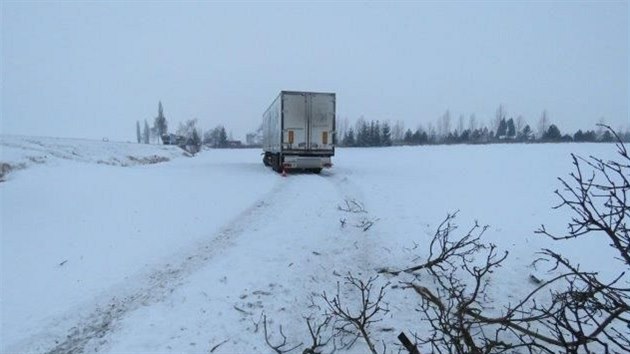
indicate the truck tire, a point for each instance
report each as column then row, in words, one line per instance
column 316, row 170
column 266, row 159
column 277, row 163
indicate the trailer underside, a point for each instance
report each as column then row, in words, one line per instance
column 311, row 162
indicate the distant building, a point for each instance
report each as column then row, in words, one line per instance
column 173, row 139
column 234, row 144
column 253, row 139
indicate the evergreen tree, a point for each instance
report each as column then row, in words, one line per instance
column 374, row 134
column 363, row 132
column 386, row 136
column 146, row 135
column 222, row 137
column 607, row 137
column 511, row 129
column 590, row 136
column 552, row 134
column 502, row 129
column 348, row 139
column 160, row 126
column 465, row 137
column 138, row 133
column 372, row 137
column 424, row 138
column 378, row 138
column 475, row 136
column 525, row 134
column 417, row 137
column 578, row 136
column 408, row 137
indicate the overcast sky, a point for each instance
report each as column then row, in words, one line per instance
column 91, row 70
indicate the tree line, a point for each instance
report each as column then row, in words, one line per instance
column 502, row 130
column 187, row 135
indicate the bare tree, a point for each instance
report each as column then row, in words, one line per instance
column 543, row 124
column 472, row 122
column 398, row 131
column 444, row 125
column 460, row 125
column 341, row 128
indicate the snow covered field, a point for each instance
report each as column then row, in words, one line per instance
column 105, row 250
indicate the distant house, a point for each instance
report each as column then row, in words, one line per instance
column 173, row 139
column 253, row 139
column 233, row 144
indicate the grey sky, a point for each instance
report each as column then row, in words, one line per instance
column 78, row 69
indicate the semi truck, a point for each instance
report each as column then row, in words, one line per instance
column 299, row 131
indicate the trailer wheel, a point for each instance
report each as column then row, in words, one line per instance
column 277, row 163
column 266, row 159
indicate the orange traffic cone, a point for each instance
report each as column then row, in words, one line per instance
column 284, row 172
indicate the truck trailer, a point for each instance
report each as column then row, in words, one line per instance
column 299, row 131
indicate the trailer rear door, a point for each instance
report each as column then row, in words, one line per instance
column 295, row 126
column 321, row 109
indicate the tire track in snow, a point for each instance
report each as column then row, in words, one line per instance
column 364, row 242
column 95, row 323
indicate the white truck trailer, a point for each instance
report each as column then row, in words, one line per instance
column 299, row 131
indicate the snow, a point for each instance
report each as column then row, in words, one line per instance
column 186, row 254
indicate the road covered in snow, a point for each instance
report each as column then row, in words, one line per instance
column 160, row 251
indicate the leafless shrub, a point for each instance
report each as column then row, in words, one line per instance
column 366, row 224
column 278, row 348
column 591, row 310
column 599, row 200
column 444, row 252
column 352, row 206
column 319, row 338
column 355, row 323
column 453, row 308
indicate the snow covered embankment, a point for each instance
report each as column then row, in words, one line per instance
column 19, row 152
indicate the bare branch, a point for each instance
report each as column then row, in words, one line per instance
column 357, row 323
column 279, row 348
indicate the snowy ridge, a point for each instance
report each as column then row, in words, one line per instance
column 19, row 152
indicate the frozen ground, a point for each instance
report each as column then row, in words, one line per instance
column 185, row 255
